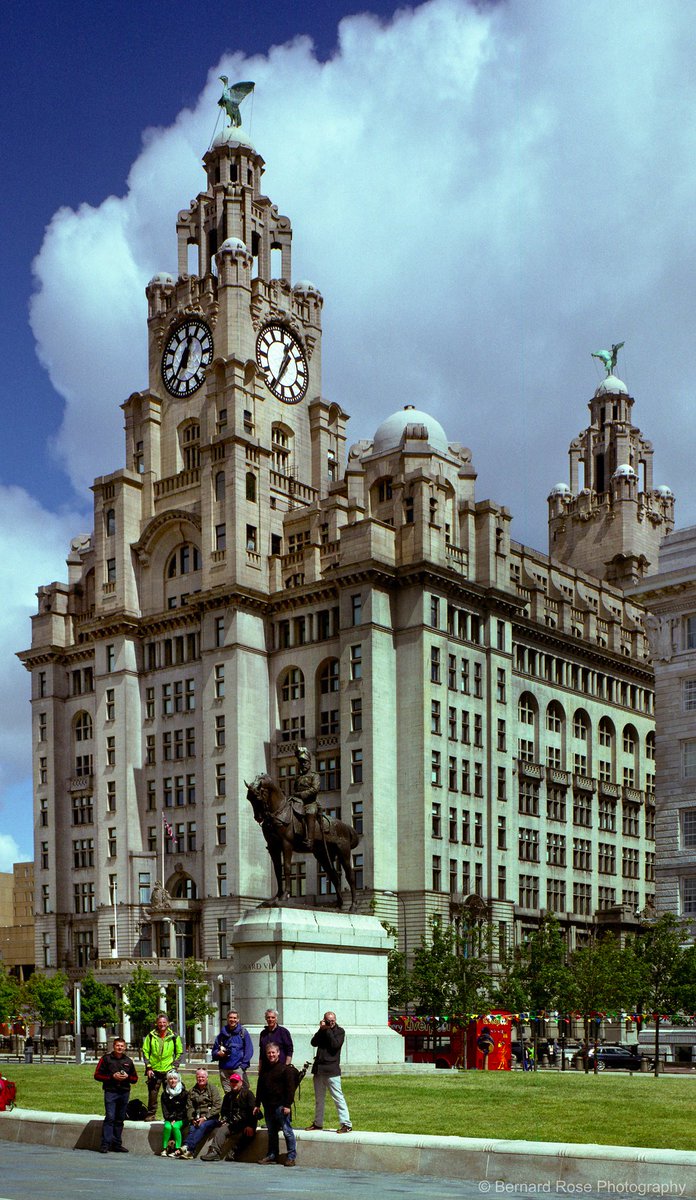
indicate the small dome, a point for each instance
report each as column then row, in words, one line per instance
column 161, row 278
column 233, row 244
column 391, row 431
column 624, row 471
column 611, row 386
column 665, row 491
column 560, row 489
column 304, row 286
column 234, row 137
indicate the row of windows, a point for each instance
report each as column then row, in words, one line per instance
column 552, row 669
column 529, row 791
column 460, row 677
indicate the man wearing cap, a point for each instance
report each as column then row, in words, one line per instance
column 237, row 1120
column 232, row 1050
column 305, row 787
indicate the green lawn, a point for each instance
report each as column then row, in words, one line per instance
column 611, row 1109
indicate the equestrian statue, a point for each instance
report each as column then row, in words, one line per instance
column 296, row 824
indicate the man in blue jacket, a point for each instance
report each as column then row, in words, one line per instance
column 232, row 1050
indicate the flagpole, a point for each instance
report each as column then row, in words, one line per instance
column 162, row 845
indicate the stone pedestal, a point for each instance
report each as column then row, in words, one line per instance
column 305, row 962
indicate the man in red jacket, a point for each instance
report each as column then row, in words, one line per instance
column 116, row 1073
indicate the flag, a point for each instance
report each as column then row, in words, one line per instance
column 168, row 829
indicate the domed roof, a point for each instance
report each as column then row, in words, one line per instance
column 304, row 285
column 391, row 431
column 234, row 137
column 233, row 243
column 664, row 490
column 623, row 471
column 560, row 489
column 611, row 386
column 162, row 277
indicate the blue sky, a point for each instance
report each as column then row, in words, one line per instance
column 484, row 194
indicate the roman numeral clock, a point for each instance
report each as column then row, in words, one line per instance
column 187, row 355
column 282, row 362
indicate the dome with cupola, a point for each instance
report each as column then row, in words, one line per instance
column 409, row 421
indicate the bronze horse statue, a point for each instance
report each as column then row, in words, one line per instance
column 284, row 836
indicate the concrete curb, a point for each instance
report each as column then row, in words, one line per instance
column 523, row 1166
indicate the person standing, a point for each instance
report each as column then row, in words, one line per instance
column 162, row 1053
column 116, row 1072
column 237, row 1119
column 274, row 1094
column 174, row 1111
column 326, row 1069
column 232, row 1050
column 203, row 1111
column 273, row 1032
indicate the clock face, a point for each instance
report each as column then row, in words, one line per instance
column 189, row 350
column 282, row 360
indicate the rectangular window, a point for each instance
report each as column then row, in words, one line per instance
column 357, row 814
column 220, row 781
column 219, row 632
column 478, row 680
column 111, row 843
column 219, row 731
column 555, row 895
column 436, row 821
column 466, row 776
column 356, row 609
column 502, row 882
column 690, row 631
column 435, row 719
column 329, row 769
column 528, row 891
column 466, row 829
column 43, row 812
column 356, row 766
column 525, row 749
column 437, row 873
column 500, row 685
column 501, row 735
column 82, row 810
column 144, row 887
column 356, row 714
column 478, row 779
column 466, row 728
column 502, row 783
column 452, row 672
column 478, row 829
column 555, row 850
column 111, row 752
column 329, row 723
column 42, row 727
column 434, row 664
column 83, row 852
column 167, row 700
column 528, row 845
column 110, row 658
column 689, row 695
column 356, row 662
column 220, row 536
column 528, row 797
column 221, row 879
column 502, row 833
column 219, row 675
column 436, row 769
column 110, row 704
column 151, row 800
column 452, row 774
column 478, row 730
column 464, row 677
column 688, row 828
column 689, row 759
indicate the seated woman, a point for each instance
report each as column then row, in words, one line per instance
column 174, row 1106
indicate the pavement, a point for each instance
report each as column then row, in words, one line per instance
column 491, row 1166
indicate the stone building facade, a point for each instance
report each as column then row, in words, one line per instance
column 482, row 713
column 670, row 595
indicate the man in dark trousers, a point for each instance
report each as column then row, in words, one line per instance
column 326, row 1070
column 273, row 1032
column 162, row 1053
column 275, row 1092
column 116, row 1073
column 237, row 1119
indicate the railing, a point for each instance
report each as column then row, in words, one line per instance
column 177, row 483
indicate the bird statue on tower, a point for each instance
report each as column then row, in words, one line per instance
column 608, row 357
column 231, row 99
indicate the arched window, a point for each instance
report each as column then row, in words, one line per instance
column 581, row 725
column 329, row 677
column 292, row 686
column 582, row 752
column 280, row 448
column 190, row 445
column 220, row 485
column 83, row 727
column 184, row 888
column 185, row 559
column 110, row 521
column 526, row 709
column 555, row 717
column 251, row 487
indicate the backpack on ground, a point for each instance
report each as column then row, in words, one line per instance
column 8, row 1093
column 136, row 1110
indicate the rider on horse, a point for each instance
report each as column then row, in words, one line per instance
column 306, row 786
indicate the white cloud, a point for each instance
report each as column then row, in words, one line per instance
column 484, row 194
column 33, row 547
column 10, row 852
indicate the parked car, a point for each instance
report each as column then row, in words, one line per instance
column 615, row 1057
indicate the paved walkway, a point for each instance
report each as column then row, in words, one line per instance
column 501, row 1167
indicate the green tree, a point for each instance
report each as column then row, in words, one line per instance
column 535, row 977
column 664, row 964
column 594, row 984
column 98, row 1003
column 451, row 972
column 141, row 1001
column 9, row 995
column 44, row 1000
column 398, row 975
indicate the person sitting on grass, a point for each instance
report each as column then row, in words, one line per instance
column 174, row 1107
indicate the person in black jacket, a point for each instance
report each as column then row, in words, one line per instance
column 274, row 1094
column 174, row 1112
column 237, row 1119
column 116, row 1073
column 326, row 1070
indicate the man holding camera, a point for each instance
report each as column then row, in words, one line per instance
column 326, row 1070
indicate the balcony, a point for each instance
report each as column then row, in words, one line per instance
column 632, row 795
column 557, row 778
column 581, row 783
column 180, row 482
column 81, row 783
column 611, row 791
column 529, row 770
